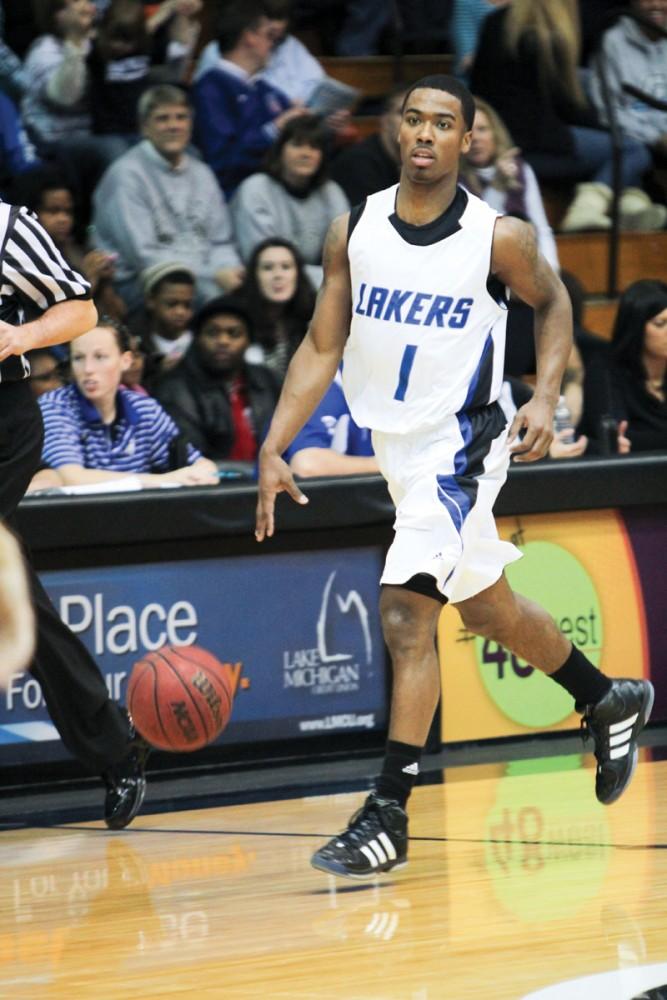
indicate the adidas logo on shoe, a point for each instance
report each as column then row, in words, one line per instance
column 620, row 735
column 375, row 841
column 615, row 723
column 411, row 768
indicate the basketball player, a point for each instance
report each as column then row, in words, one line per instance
column 44, row 302
column 414, row 302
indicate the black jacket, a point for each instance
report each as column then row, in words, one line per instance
column 199, row 403
column 536, row 110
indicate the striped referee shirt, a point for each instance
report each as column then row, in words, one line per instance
column 34, row 276
column 137, row 441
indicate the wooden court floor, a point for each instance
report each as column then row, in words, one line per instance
column 519, row 884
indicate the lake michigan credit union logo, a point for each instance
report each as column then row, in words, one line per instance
column 324, row 668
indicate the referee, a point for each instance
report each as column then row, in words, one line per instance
column 44, row 302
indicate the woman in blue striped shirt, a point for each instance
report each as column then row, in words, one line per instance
column 96, row 430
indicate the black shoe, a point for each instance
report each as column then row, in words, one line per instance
column 376, row 840
column 126, row 784
column 615, row 722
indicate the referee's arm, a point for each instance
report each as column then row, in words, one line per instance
column 44, row 281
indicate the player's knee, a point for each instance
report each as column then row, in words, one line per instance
column 404, row 626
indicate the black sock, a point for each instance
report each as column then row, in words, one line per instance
column 399, row 771
column 581, row 679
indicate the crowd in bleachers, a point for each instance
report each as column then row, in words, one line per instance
column 187, row 157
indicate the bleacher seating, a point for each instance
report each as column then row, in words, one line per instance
column 641, row 255
column 375, row 76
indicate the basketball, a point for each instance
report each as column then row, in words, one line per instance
column 180, row 697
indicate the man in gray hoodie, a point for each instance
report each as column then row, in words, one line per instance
column 157, row 203
column 637, row 54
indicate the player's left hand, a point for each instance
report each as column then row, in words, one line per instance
column 12, row 340
column 535, row 419
column 275, row 476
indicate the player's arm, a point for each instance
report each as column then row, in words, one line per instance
column 309, row 375
column 517, row 262
column 61, row 323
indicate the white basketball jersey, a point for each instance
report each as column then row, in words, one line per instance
column 427, row 338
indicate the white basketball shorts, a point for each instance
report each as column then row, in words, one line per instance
column 444, row 483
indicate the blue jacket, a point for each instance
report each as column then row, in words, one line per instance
column 234, row 123
column 17, row 154
column 332, row 426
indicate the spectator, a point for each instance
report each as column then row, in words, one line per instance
column 17, row 153
column 280, row 301
column 374, row 163
column 96, row 431
column 494, row 170
column 466, row 22
column 533, row 47
column 291, row 68
column 134, row 374
column 221, row 403
column 56, row 103
column 292, row 198
column 45, row 371
column 330, row 443
column 163, row 325
column 238, row 114
column 637, row 55
column 123, row 63
column 158, row 204
column 633, row 387
column 49, row 196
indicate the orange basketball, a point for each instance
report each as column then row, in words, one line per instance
column 180, row 697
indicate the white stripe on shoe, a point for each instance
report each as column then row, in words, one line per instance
column 618, row 752
column 617, row 727
column 624, row 737
column 371, row 858
column 387, row 844
column 377, row 851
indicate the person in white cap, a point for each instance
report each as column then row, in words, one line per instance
column 164, row 324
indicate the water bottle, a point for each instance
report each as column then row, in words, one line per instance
column 563, row 421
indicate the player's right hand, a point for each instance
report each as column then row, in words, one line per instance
column 275, row 476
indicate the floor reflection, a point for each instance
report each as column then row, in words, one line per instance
column 518, row 880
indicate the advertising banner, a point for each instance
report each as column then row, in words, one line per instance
column 599, row 574
column 300, row 633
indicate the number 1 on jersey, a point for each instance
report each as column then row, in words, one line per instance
column 407, row 362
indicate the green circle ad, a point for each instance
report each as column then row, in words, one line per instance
column 554, row 578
